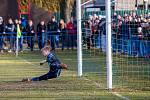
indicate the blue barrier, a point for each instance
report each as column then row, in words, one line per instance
column 132, row 46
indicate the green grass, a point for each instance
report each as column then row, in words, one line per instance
column 91, row 86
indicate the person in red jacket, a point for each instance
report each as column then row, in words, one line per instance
column 72, row 34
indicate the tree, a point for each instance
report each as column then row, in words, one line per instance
column 48, row 5
column 66, row 7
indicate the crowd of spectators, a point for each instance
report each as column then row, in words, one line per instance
column 52, row 33
column 130, row 33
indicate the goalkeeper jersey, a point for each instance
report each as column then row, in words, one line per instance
column 54, row 64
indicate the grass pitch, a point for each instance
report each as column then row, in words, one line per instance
column 91, row 86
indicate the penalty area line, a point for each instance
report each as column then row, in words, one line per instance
column 28, row 62
column 119, row 95
column 114, row 93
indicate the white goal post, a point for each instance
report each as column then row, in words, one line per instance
column 108, row 40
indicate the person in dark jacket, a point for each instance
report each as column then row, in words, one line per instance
column 124, row 35
column 2, row 29
column 52, row 33
column 41, row 28
column 30, row 34
column 9, row 29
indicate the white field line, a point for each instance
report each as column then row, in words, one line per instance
column 84, row 59
column 114, row 93
column 28, row 62
column 97, row 84
column 119, row 95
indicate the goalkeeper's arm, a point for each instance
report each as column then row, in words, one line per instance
column 42, row 62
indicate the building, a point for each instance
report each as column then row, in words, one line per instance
column 120, row 4
column 131, row 4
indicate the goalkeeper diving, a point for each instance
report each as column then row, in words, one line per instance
column 55, row 66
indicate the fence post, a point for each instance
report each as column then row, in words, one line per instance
column 17, row 46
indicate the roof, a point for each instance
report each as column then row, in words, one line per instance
column 96, row 4
column 101, row 2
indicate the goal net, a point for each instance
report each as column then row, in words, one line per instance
column 130, row 43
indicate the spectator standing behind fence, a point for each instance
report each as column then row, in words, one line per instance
column 102, row 27
column 21, row 38
column 41, row 29
column 89, row 31
column 95, row 33
column 124, row 35
column 133, row 25
column 146, row 33
column 71, row 41
column 118, row 34
column 9, row 29
column 2, row 29
column 52, row 33
column 62, row 29
column 23, row 24
column 30, row 34
column 140, row 43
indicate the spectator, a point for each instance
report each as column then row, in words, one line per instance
column 71, row 34
column 2, row 29
column 9, row 29
column 41, row 29
column 23, row 24
column 52, row 28
column 114, row 17
column 95, row 33
column 62, row 29
column 124, row 35
column 84, row 33
column 114, row 35
column 141, row 45
column 89, row 32
column 30, row 34
column 102, row 27
column 21, row 38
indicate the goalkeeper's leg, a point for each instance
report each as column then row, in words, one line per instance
column 47, row 76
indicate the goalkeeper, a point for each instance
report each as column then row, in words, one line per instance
column 54, row 64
